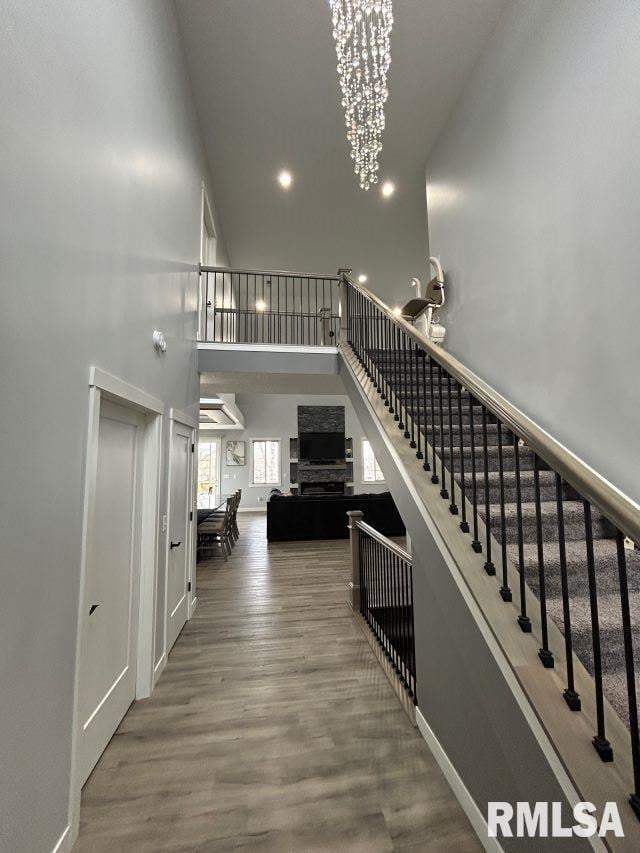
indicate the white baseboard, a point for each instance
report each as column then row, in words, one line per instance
column 252, row 509
column 158, row 669
column 63, row 845
column 476, row 818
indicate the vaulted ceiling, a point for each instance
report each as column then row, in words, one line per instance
column 266, row 89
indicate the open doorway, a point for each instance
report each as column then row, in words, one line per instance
column 209, row 449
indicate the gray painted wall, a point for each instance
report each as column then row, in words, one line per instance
column 534, row 209
column 100, row 180
column 276, row 416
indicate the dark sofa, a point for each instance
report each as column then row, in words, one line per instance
column 296, row 517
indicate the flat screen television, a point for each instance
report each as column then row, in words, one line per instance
column 322, row 446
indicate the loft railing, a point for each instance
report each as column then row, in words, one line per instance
column 382, row 592
column 257, row 306
column 461, row 428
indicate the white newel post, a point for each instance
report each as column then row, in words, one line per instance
column 355, row 515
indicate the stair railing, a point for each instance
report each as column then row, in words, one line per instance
column 382, row 592
column 268, row 307
column 436, row 401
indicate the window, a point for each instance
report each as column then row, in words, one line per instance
column 266, row 462
column 371, row 471
column 208, row 465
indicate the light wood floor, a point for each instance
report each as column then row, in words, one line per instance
column 272, row 728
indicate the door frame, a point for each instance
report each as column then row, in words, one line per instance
column 103, row 385
column 178, row 416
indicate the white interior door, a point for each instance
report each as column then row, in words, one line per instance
column 180, row 507
column 109, row 615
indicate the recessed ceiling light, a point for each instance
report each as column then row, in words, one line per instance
column 388, row 188
column 285, row 179
column 261, row 305
column 362, row 278
column 397, row 310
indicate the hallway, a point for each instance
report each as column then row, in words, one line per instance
column 273, row 727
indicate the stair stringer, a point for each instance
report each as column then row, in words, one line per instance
column 473, row 665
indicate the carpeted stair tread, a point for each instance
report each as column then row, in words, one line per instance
column 428, row 386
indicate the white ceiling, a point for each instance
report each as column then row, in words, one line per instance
column 264, row 77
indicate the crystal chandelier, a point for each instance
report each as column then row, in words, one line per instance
column 361, row 30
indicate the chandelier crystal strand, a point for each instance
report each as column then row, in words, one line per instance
column 361, row 30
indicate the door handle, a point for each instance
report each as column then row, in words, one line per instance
column 175, row 545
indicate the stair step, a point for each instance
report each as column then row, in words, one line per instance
column 573, row 521
column 605, row 560
column 492, row 434
column 527, row 489
column 508, row 458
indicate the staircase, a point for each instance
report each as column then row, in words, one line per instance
column 525, row 500
column 525, row 582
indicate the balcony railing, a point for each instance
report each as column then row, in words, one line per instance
column 269, row 307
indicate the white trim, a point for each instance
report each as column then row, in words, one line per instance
column 158, row 668
column 460, row 790
column 183, row 417
column 102, row 383
column 253, row 508
column 149, row 563
column 283, row 348
column 177, row 416
column 63, row 844
column 121, row 390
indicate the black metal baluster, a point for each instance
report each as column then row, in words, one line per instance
column 363, row 579
column 400, row 383
column 425, row 465
column 544, row 653
column 489, row 567
column 384, row 360
column 476, row 545
column 571, row 697
column 397, row 622
column 418, row 404
column 388, row 603
column 396, row 369
column 434, row 475
column 453, row 507
column 505, row 589
column 632, row 698
column 600, row 742
column 411, row 395
column 403, row 636
column 379, row 349
column 444, row 494
column 411, row 623
column 464, row 524
column 523, row 620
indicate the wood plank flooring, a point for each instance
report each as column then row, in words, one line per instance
column 272, row 728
